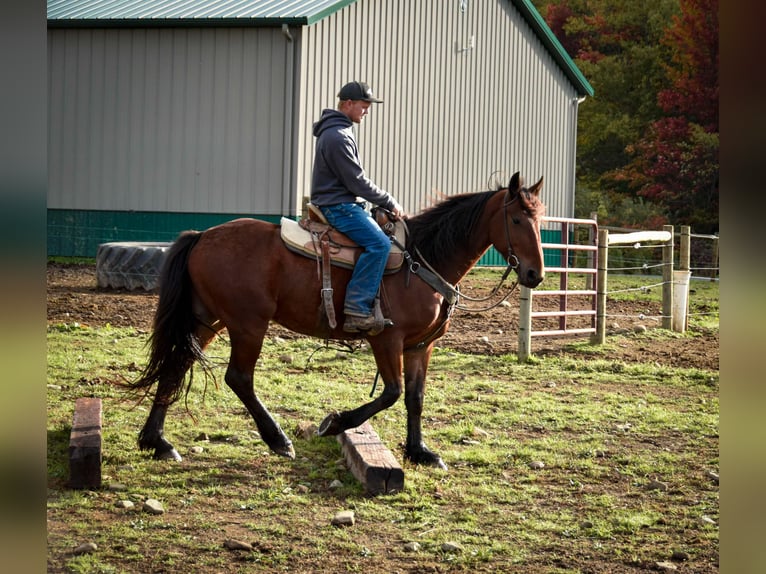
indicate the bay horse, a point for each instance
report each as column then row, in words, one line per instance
column 239, row 276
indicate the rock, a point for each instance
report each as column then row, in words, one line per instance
column 336, row 484
column 202, row 437
column 679, row 556
column 537, row 465
column 233, row 544
column 412, row 547
column 639, row 329
column 302, row 489
column 196, row 450
column 124, row 504
column 153, row 506
column 116, row 487
column 344, row 518
column 451, row 547
column 287, row 359
column 712, row 476
column 656, row 485
column 665, row 566
column 278, row 341
column 86, row 548
column 306, row 430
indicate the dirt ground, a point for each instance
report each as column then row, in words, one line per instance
column 73, row 296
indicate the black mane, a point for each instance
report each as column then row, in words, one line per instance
column 444, row 228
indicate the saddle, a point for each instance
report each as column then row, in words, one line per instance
column 315, row 238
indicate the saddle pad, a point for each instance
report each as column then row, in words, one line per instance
column 343, row 251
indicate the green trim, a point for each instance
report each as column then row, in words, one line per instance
column 79, row 232
column 314, row 18
column 549, row 40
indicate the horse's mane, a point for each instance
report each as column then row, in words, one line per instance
column 440, row 230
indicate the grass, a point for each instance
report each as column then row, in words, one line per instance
column 602, row 430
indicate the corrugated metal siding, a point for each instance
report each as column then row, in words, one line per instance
column 182, row 120
column 456, row 110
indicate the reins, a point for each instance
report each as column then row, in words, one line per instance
column 455, row 294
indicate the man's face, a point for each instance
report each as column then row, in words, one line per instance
column 355, row 109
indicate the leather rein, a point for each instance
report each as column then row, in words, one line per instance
column 452, row 293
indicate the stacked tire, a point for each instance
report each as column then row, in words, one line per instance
column 130, row 265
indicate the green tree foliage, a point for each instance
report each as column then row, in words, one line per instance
column 652, row 68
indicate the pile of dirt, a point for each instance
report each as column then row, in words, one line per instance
column 74, row 297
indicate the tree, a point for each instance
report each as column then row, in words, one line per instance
column 676, row 163
column 654, row 75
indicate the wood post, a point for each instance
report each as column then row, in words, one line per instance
column 525, row 323
column 85, row 444
column 370, row 461
column 599, row 336
column 667, row 280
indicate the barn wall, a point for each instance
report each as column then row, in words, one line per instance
column 167, row 120
column 469, row 92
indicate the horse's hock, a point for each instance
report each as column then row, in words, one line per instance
column 130, row 264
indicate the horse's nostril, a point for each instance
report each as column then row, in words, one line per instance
column 533, row 277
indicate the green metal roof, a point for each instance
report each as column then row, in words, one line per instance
column 190, row 12
column 105, row 13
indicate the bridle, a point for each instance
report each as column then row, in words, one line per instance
column 452, row 292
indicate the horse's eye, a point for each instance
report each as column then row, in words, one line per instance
column 516, row 220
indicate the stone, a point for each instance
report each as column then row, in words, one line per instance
column 153, row 506
column 344, row 518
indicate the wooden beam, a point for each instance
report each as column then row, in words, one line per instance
column 85, row 444
column 370, row 461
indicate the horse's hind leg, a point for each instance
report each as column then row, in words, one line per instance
column 152, row 436
column 239, row 377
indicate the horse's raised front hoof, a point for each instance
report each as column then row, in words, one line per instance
column 330, row 426
column 425, row 457
column 171, row 454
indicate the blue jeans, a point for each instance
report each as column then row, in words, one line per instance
column 360, row 227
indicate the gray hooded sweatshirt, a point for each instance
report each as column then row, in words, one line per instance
column 338, row 176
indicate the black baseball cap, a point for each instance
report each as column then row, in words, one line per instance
column 358, row 91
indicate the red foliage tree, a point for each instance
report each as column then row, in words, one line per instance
column 676, row 164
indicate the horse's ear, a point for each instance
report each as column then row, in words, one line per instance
column 515, row 184
column 535, row 189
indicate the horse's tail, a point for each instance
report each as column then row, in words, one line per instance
column 174, row 347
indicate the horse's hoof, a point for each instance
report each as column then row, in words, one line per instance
column 171, row 454
column 427, row 458
column 286, row 451
column 330, row 426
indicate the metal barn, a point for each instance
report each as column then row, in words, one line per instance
column 181, row 114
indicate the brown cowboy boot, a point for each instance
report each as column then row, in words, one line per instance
column 369, row 324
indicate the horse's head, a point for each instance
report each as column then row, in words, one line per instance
column 515, row 230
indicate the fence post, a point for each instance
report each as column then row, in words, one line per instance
column 525, row 323
column 603, row 249
column 589, row 279
column 684, row 257
column 667, row 280
column 714, row 265
column 684, row 264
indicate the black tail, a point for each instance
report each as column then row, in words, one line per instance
column 174, row 348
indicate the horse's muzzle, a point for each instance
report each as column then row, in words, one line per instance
column 532, row 278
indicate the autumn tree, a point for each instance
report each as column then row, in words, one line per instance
column 640, row 58
column 676, row 163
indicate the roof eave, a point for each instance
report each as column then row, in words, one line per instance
column 549, row 40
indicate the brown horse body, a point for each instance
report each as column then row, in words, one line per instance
column 240, row 276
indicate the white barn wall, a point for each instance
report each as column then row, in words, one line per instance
column 451, row 117
column 168, row 119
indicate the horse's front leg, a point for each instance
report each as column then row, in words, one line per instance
column 415, row 368
column 390, row 368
